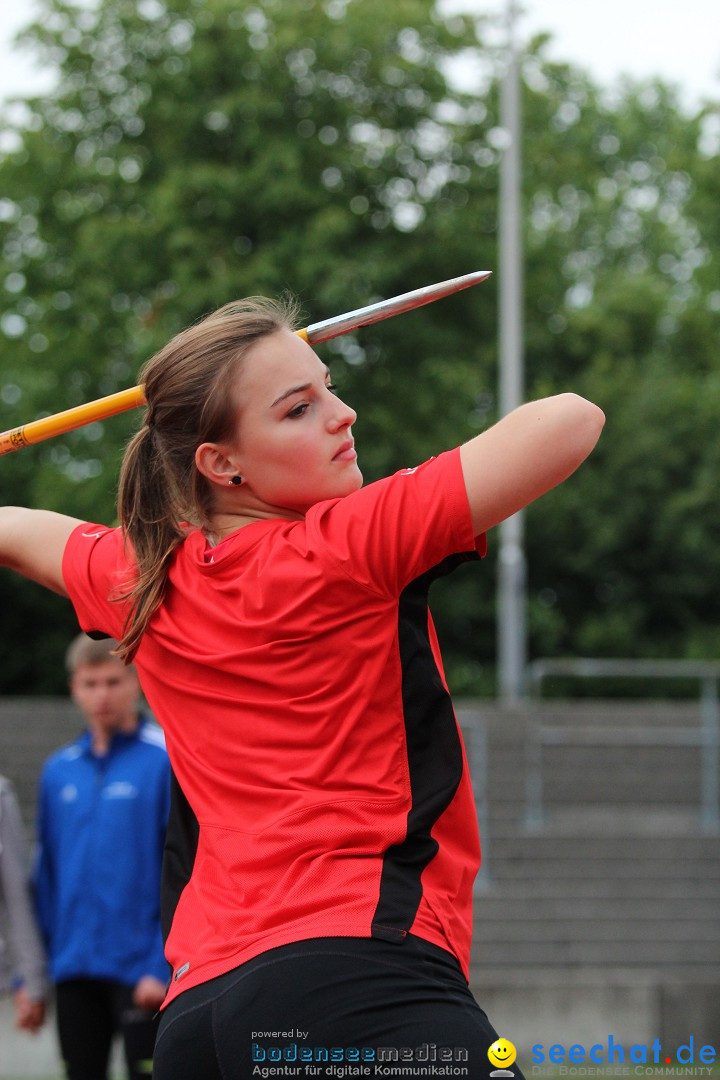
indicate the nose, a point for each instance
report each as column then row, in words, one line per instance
column 341, row 415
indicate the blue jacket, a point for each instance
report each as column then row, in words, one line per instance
column 101, row 833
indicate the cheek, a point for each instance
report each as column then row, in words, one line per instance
column 297, row 476
column 295, row 453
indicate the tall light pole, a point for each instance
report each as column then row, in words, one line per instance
column 511, row 602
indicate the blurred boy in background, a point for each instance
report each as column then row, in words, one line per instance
column 103, row 808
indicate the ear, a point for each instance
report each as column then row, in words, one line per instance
column 216, row 463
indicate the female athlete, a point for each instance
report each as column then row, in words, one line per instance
column 323, row 839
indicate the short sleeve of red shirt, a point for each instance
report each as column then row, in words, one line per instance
column 391, row 532
column 95, row 568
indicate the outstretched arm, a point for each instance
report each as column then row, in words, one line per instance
column 528, row 452
column 32, row 543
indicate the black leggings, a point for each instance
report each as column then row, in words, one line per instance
column 330, row 1007
column 90, row 1012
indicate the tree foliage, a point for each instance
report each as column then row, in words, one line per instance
column 195, row 151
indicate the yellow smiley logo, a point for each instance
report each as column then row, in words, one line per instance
column 502, row 1053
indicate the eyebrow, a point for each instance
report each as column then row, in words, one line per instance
column 296, row 390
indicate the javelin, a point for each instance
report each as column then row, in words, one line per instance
column 59, row 423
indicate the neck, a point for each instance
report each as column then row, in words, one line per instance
column 225, row 523
column 101, row 736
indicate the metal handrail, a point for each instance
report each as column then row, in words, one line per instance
column 706, row 736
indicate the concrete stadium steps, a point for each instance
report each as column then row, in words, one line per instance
column 589, row 771
column 601, row 909
column 580, row 952
column 671, row 775
column 655, row 872
column 563, row 901
column 603, row 890
column 619, row 874
column 627, row 854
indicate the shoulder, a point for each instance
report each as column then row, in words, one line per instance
column 149, row 748
column 393, row 530
column 89, row 541
column 151, row 734
column 413, row 488
column 98, row 566
column 64, row 755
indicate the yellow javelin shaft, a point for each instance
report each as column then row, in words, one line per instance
column 59, row 423
column 50, row 426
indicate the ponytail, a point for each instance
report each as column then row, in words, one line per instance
column 150, row 518
column 188, row 386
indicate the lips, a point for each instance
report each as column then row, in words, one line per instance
column 346, row 452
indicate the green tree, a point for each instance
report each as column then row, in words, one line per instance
column 195, row 151
column 192, row 152
column 630, row 316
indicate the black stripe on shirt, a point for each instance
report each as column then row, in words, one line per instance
column 181, row 841
column 435, row 760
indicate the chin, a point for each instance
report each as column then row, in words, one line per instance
column 352, row 483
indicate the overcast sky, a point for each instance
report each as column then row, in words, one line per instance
column 677, row 39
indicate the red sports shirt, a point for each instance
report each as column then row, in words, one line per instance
column 322, row 782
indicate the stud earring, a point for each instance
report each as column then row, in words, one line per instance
column 235, row 480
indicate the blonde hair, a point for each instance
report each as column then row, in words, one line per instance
column 86, row 650
column 188, row 388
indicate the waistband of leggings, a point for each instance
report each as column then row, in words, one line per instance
column 406, row 952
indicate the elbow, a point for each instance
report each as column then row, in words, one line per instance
column 595, row 420
column 586, row 418
column 595, row 415
column 585, row 409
